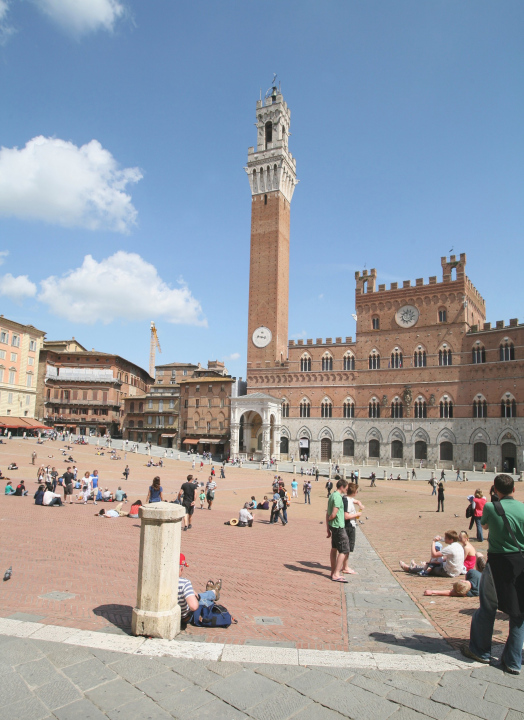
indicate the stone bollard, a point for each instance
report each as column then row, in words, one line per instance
column 464, row 476
column 330, row 468
column 408, row 475
column 385, row 475
column 157, row 612
column 260, row 466
column 344, row 472
column 495, row 469
column 294, row 469
column 521, row 478
column 179, row 456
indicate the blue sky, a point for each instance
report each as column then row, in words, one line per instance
column 124, row 128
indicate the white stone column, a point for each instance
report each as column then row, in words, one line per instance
column 233, row 443
column 157, row 612
column 247, row 436
column 276, row 441
column 266, row 442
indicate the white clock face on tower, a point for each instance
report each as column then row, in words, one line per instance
column 407, row 316
column 262, row 337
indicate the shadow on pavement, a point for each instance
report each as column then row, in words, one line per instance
column 117, row 615
column 321, row 571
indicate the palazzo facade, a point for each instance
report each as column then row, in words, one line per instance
column 426, row 381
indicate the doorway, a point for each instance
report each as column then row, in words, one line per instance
column 303, row 449
column 325, row 450
column 509, row 457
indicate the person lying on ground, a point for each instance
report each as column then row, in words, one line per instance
column 464, row 588
column 447, row 562
column 113, row 513
column 12, row 466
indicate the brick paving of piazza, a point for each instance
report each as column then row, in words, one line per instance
column 268, row 571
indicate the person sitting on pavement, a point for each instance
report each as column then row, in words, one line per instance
column 120, row 495
column 12, row 466
column 20, row 489
column 470, row 554
column 133, row 512
column 465, row 588
column 263, row 505
column 446, row 562
column 154, row 494
column 52, row 499
column 107, row 496
column 190, row 601
column 39, row 495
column 9, row 489
column 245, row 518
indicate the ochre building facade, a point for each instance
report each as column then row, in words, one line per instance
column 426, row 381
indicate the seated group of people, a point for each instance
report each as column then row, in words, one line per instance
column 451, row 557
column 18, row 490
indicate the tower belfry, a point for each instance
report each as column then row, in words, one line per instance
column 271, row 171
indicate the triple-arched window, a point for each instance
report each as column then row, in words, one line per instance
column 326, row 408
column 445, row 356
column 397, row 410
column 419, row 358
column 349, row 361
column 508, row 407
column 349, row 408
column 446, row 407
column 420, row 407
column 396, row 359
column 327, row 362
column 480, row 407
column 478, row 354
column 374, row 408
column 305, row 408
column 507, row 350
column 305, row 363
column 374, row 360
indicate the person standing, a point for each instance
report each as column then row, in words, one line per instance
column 68, row 478
column 33, row 457
column 479, row 501
column 433, row 484
column 316, row 474
column 284, row 496
column 357, row 475
column 294, row 488
column 351, row 515
column 307, row 492
column 210, row 491
column 94, row 483
column 502, row 582
column 126, row 472
column 442, row 476
column 187, row 499
column 336, row 530
column 329, row 487
column 222, row 473
column 458, row 478
column 413, row 474
column 440, row 497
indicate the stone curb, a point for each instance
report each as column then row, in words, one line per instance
column 209, row 652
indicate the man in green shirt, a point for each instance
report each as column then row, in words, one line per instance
column 336, row 530
column 502, row 583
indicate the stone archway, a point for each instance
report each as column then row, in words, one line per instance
column 258, row 416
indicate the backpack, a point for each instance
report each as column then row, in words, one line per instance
column 280, row 504
column 470, row 511
column 214, row 616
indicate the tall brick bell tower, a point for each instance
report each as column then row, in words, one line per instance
column 272, row 176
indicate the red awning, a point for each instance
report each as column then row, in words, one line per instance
column 15, row 423
column 190, row 441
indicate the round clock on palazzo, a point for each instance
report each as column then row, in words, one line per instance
column 407, row 316
column 261, row 337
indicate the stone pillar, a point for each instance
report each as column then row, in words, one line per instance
column 385, row 475
column 465, row 479
column 277, row 429
column 266, row 442
column 521, row 476
column 248, row 437
column 329, row 474
column 408, row 475
column 344, row 474
column 294, row 469
column 157, row 612
column 495, row 469
column 233, row 443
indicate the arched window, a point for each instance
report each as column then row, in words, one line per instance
column 374, row 449
column 396, row 359
column 419, row 358
column 140, row 424
column 305, row 408
column 269, row 132
column 396, row 408
column 285, row 409
column 421, row 450
column 284, row 445
column 480, row 408
column 131, row 424
column 397, row 450
column 421, row 410
column 349, row 408
column 442, row 315
column 507, row 350
column 327, row 362
column 348, row 447
column 141, row 407
column 446, row 408
column 444, row 356
column 131, row 407
column 374, row 408
column 349, row 361
column 374, row 360
column 326, row 408
column 375, row 322
column 478, row 354
column 446, row 451
column 305, row 363
column 508, row 407
column 480, row 452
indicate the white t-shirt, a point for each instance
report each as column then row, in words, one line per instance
column 244, row 515
column 351, row 509
column 112, row 513
column 49, row 497
column 453, row 559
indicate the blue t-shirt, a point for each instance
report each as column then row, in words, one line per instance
column 94, row 480
column 294, row 484
column 154, row 495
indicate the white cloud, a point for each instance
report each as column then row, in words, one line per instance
column 83, row 16
column 5, row 29
column 121, row 286
column 299, row 336
column 3, row 255
column 17, row 288
column 55, row 181
column 233, row 356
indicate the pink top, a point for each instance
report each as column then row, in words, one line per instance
column 479, row 506
column 469, row 562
